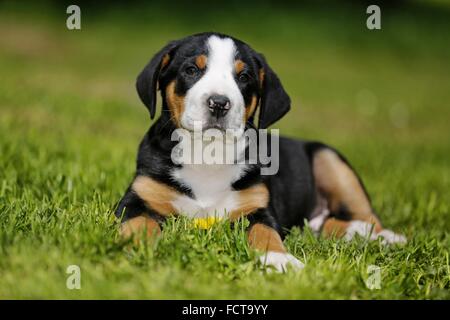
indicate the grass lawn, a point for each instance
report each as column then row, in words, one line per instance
column 71, row 121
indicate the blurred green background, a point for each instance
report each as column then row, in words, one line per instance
column 71, row 121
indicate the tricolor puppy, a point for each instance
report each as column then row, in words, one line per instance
column 219, row 82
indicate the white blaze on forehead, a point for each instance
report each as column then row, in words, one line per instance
column 221, row 54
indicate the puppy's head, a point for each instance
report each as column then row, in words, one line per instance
column 213, row 80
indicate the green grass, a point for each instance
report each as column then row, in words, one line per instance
column 70, row 124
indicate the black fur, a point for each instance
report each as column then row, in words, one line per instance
column 147, row 80
column 275, row 102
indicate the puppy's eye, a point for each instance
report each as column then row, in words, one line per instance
column 243, row 78
column 191, row 70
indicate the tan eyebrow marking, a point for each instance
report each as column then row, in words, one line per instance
column 239, row 66
column 201, row 60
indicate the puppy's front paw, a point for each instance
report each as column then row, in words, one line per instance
column 390, row 237
column 365, row 230
column 360, row 228
column 280, row 261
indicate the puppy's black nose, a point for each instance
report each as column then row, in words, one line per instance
column 218, row 105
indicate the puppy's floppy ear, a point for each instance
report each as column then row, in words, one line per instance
column 147, row 81
column 275, row 102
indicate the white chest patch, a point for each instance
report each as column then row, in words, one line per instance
column 211, row 186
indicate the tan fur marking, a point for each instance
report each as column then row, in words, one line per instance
column 158, row 196
column 338, row 228
column 239, row 66
column 264, row 238
column 250, row 200
column 200, row 61
column 340, row 186
column 175, row 103
column 261, row 77
column 135, row 227
column 335, row 227
column 165, row 61
column 250, row 109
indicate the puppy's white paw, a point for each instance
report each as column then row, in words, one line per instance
column 280, row 261
column 365, row 230
column 360, row 228
column 390, row 237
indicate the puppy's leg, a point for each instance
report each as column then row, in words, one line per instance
column 264, row 238
column 267, row 240
column 138, row 220
column 347, row 200
column 140, row 228
column 348, row 229
column 262, row 234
